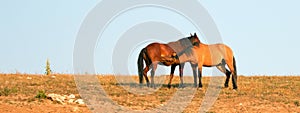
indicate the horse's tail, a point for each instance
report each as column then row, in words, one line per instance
column 140, row 64
column 234, row 66
column 234, row 76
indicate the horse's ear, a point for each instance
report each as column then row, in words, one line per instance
column 195, row 34
column 191, row 34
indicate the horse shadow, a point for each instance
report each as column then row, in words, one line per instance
column 157, row 85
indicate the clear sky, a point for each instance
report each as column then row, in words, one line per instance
column 264, row 35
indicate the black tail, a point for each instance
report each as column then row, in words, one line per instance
column 140, row 64
column 234, row 76
column 234, row 66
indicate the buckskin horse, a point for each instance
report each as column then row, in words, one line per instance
column 218, row 55
column 164, row 54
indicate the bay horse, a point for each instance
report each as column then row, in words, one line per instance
column 163, row 54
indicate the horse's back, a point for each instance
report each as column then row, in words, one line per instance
column 159, row 47
column 225, row 50
column 213, row 54
column 158, row 50
column 224, row 46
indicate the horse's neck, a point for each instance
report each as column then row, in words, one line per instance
column 203, row 44
column 175, row 46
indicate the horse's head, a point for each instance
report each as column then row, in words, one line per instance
column 194, row 39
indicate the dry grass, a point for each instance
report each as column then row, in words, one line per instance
column 255, row 94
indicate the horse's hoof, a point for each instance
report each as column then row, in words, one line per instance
column 169, row 86
column 235, row 88
column 152, row 86
column 141, row 86
column 200, row 85
column 181, row 86
column 195, row 85
column 226, row 86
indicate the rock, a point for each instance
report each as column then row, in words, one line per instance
column 57, row 98
column 28, row 78
column 71, row 96
column 63, row 99
column 79, row 101
column 71, row 101
column 51, row 96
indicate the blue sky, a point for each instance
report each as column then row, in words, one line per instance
column 263, row 34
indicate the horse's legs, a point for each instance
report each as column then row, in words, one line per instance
column 231, row 66
column 181, row 66
column 154, row 66
column 228, row 73
column 200, row 75
column 194, row 67
column 225, row 71
column 146, row 69
column 171, row 75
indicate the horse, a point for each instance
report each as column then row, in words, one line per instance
column 214, row 55
column 163, row 54
column 218, row 55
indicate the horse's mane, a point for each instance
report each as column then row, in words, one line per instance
column 180, row 46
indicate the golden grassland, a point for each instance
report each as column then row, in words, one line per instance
column 255, row 94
